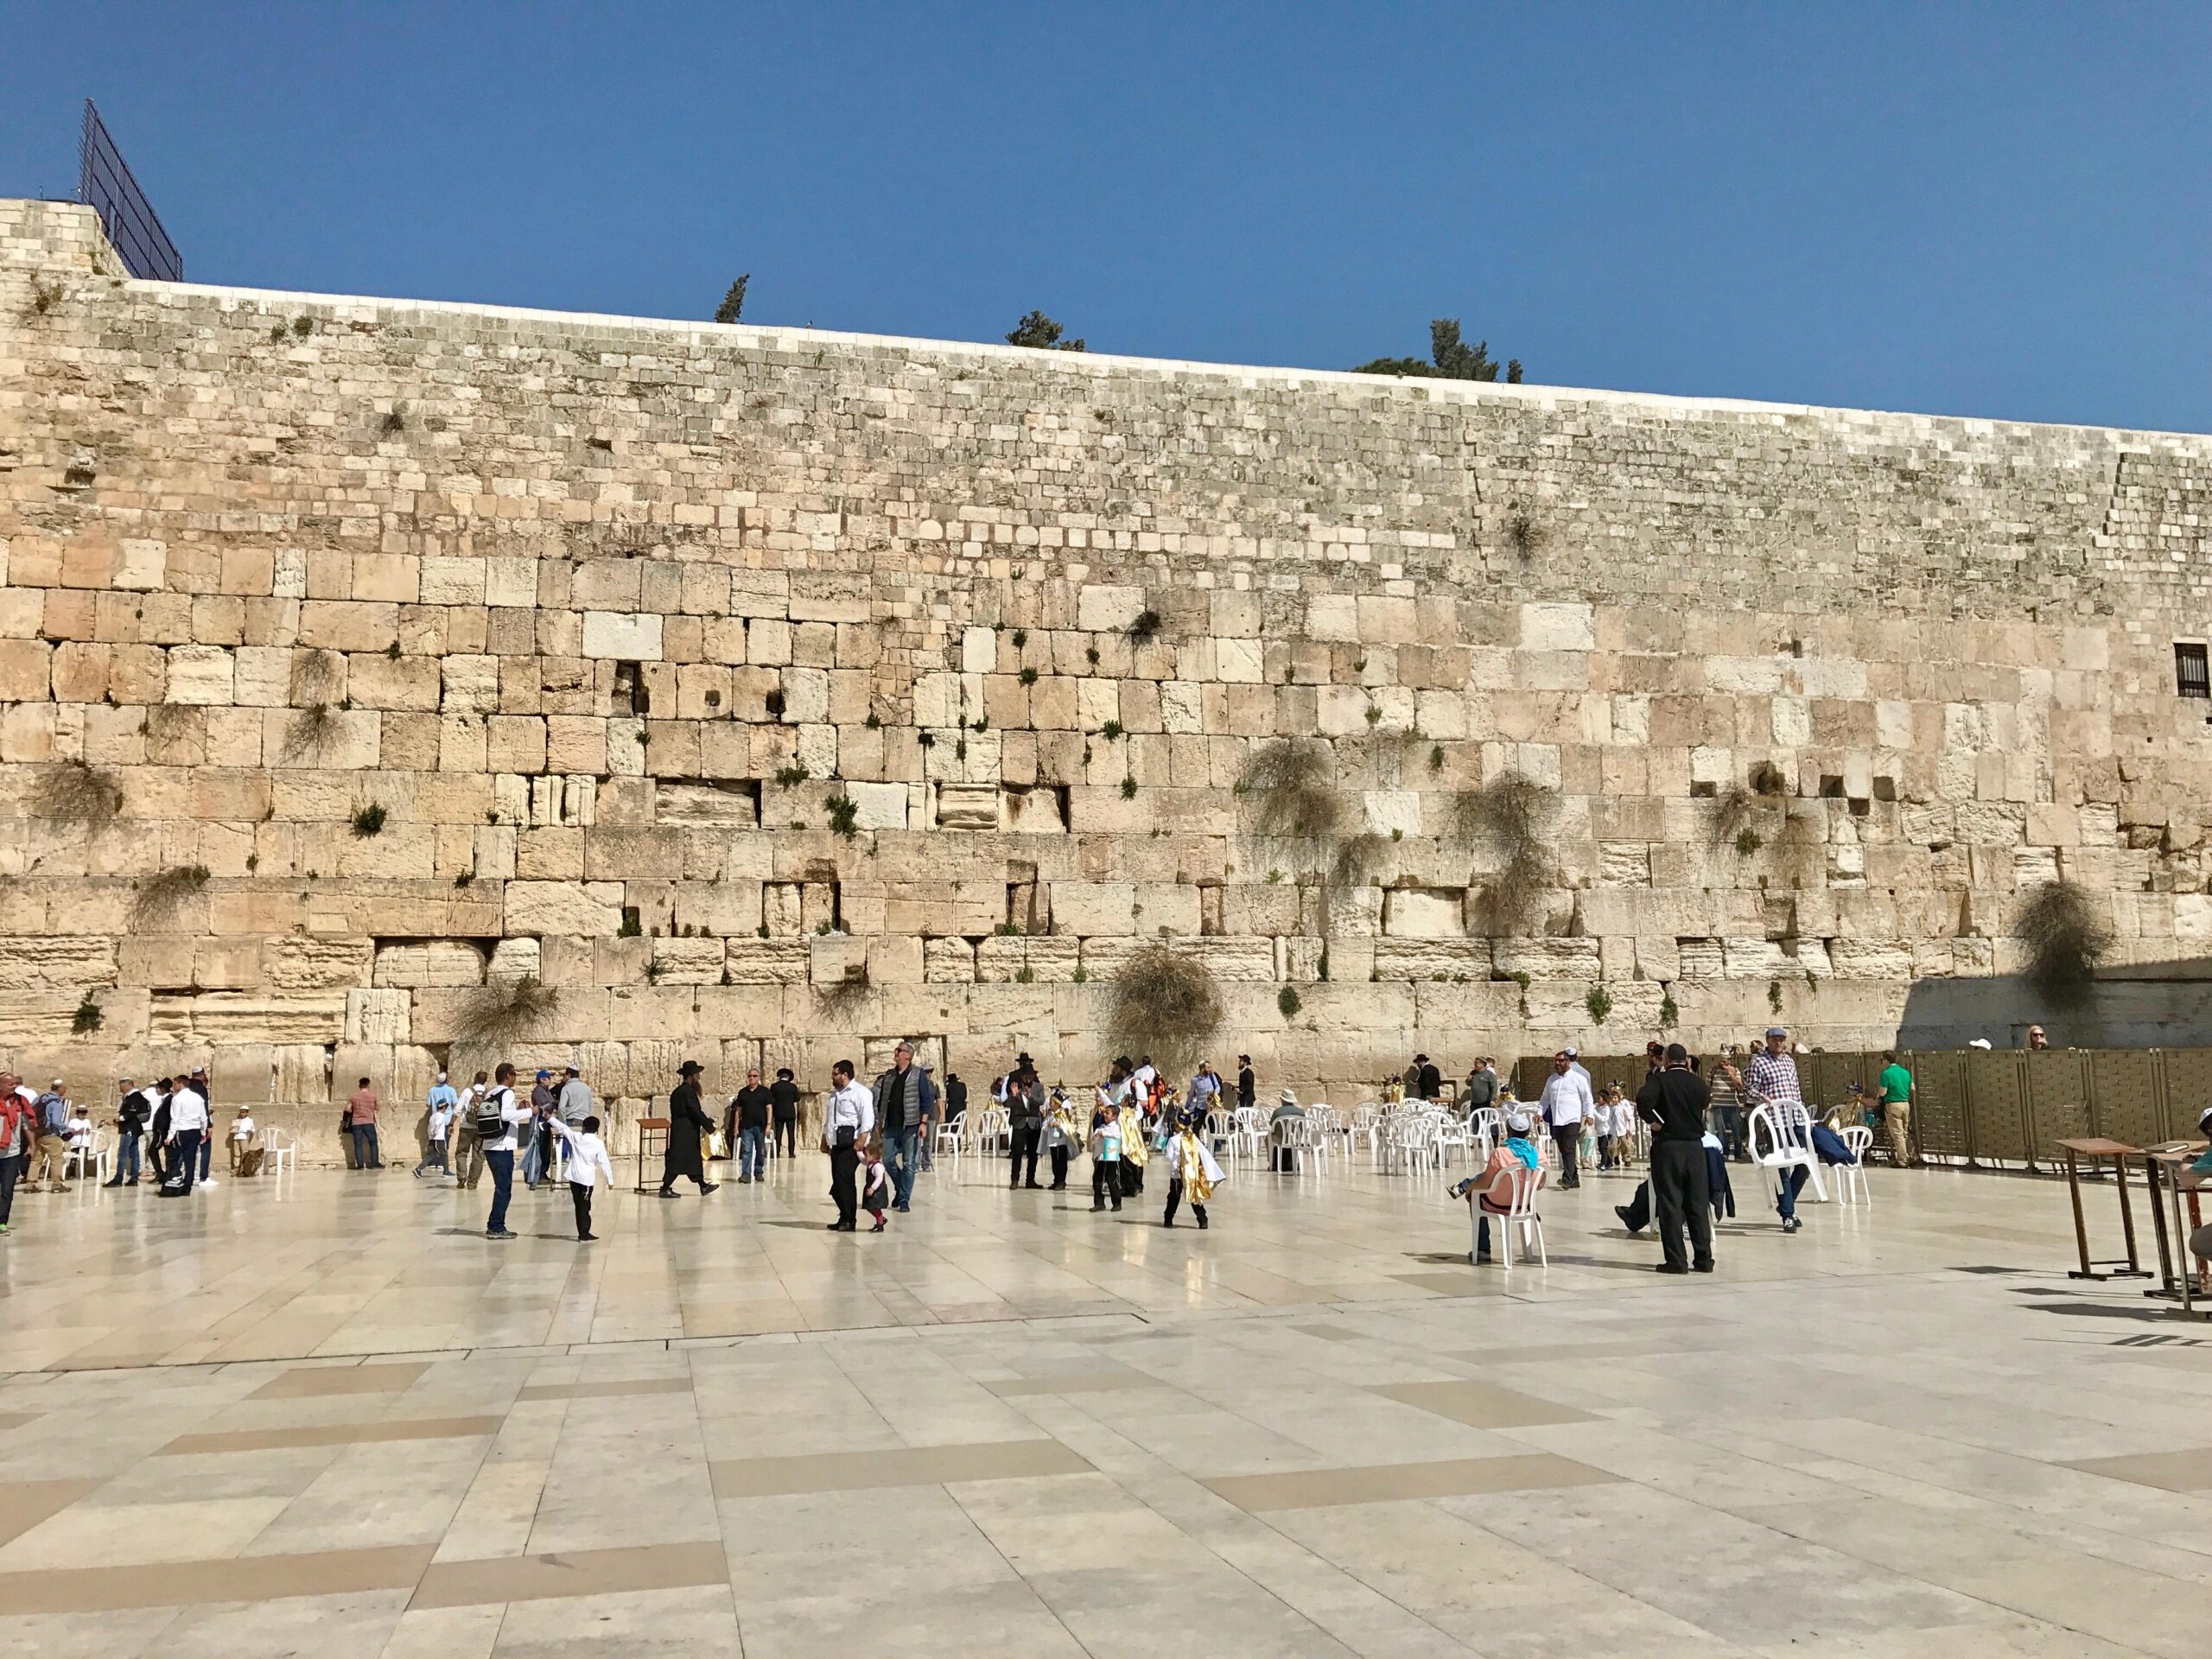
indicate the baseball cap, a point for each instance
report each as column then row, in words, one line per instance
column 1776, row 1031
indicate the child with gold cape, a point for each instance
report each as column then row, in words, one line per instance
column 1190, row 1167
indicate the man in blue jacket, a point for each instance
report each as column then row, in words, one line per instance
column 906, row 1103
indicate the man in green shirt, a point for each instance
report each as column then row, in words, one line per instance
column 1897, row 1109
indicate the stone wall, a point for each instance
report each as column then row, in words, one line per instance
column 768, row 694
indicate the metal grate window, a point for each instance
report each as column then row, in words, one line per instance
column 2192, row 673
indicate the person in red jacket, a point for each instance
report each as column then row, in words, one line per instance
column 13, row 1107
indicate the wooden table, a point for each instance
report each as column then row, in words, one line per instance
column 649, row 1125
column 2119, row 1151
column 2173, row 1160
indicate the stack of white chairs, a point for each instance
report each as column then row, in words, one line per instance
column 1250, row 1140
column 992, row 1136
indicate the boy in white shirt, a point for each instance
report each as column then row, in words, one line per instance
column 76, row 1130
column 587, row 1161
column 241, row 1138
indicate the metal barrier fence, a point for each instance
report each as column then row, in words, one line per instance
column 1997, row 1107
column 104, row 184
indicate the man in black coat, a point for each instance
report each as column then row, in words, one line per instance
column 130, row 1117
column 783, row 1104
column 1673, row 1101
column 1248, row 1086
column 687, row 1123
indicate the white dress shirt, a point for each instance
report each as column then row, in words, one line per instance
column 188, row 1111
column 1565, row 1098
column 852, row 1107
column 588, row 1157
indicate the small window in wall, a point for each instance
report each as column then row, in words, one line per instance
column 630, row 690
column 2192, row 671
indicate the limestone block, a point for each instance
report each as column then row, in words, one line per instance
column 1392, row 809
column 622, row 637
column 315, row 964
column 56, row 964
column 1424, row 913
column 1087, row 908
column 24, row 669
column 948, row 962
column 834, row 959
column 1103, row 609
column 1165, row 908
column 586, row 909
column 806, row 697
column 768, row 962
column 511, row 582
column 377, row 1016
column 1543, row 959
column 200, row 675
column 1558, row 627
column 1442, row 956
column 1180, row 708
column 979, row 651
column 411, row 964
column 513, row 959
column 1870, row 959
column 688, row 962
column 879, row 806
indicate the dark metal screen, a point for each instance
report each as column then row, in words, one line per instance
column 104, row 184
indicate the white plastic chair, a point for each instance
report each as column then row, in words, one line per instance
column 1452, row 1133
column 992, row 1134
column 947, row 1142
column 1521, row 1217
column 97, row 1153
column 1851, row 1179
column 1781, row 1139
column 1251, row 1133
column 279, row 1152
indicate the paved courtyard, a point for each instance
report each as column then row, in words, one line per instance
column 327, row 1416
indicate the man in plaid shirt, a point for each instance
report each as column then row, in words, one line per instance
column 1771, row 1080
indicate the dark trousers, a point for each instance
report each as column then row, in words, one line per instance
column 1567, row 1137
column 157, row 1159
column 187, row 1157
column 433, row 1157
column 1132, row 1177
column 1059, row 1167
column 1793, row 1183
column 502, row 1166
column 1105, row 1183
column 10, row 1167
column 1175, row 1197
column 1027, row 1134
column 366, row 1153
column 1680, row 1194
column 844, row 1167
column 581, row 1195
column 787, row 1136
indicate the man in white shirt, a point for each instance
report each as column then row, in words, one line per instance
column 847, row 1122
column 188, row 1128
column 1565, row 1103
column 501, row 1105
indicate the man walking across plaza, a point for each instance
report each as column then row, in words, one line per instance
column 906, row 1104
column 687, row 1127
column 1673, row 1101
column 50, row 1156
column 748, row 1118
column 1896, row 1110
column 847, row 1121
column 1564, row 1104
column 1771, row 1080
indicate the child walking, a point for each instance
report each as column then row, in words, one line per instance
column 1191, row 1169
column 876, row 1190
column 1106, row 1157
column 588, row 1161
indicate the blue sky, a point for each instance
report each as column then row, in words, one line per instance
column 2001, row 210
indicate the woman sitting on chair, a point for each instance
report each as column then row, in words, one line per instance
column 1492, row 1190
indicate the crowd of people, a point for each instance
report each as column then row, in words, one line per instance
column 1689, row 1119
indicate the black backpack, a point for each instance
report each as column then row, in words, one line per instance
column 491, row 1120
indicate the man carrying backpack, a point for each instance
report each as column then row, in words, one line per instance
column 498, row 1117
column 51, row 1111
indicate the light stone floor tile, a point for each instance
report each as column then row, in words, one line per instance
column 339, row 1421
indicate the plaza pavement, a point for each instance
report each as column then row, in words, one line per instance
column 325, row 1416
